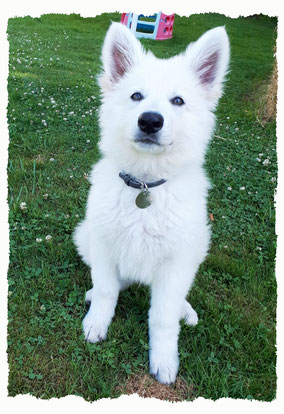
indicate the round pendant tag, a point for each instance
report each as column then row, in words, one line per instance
column 143, row 200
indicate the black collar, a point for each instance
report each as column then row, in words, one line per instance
column 134, row 183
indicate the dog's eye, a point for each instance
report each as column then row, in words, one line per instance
column 137, row 96
column 177, row 101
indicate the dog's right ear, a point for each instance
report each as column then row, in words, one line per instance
column 121, row 51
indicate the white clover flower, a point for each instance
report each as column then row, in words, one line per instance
column 258, row 159
column 51, row 159
column 23, row 206
column 45, row 196
column 258, row 248
column 242, row 188
column 38, row 240
column 266, row 162
column 230, row 188
column 48, row 237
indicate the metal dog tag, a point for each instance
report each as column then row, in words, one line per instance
column 144, row 199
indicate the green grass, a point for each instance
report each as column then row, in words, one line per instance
column 53, row 126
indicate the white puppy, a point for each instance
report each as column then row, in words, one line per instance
column 156, row 120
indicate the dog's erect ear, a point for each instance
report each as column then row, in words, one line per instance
column 209, row 57
column 121, row 50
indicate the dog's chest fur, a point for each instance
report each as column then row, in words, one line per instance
column 139, row 240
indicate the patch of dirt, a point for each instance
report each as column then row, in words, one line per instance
column 147, row 387
column 268, row 102
column 271, row 96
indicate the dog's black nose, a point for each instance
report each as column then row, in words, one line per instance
column 150, row 122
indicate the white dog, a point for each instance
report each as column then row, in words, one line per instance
column 146, row 218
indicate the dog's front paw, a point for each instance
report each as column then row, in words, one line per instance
column 164, row 366
column 94, row 330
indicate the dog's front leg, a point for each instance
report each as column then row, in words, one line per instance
column 169, row 290
column 103, row 297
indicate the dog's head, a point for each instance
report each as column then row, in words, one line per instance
column 160, row 106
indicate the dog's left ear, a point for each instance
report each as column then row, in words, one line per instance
column 121, row 51
column 208, row 57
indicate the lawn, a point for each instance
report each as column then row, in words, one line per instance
column 53, row 127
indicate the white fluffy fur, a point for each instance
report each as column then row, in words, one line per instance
column 164, row 244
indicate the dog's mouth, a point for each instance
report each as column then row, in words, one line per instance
column 149, row 143
column 148, row 139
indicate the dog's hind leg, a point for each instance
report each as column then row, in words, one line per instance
column 188, row 314
column 88, row 296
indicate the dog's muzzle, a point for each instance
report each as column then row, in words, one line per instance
column 149, row 124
